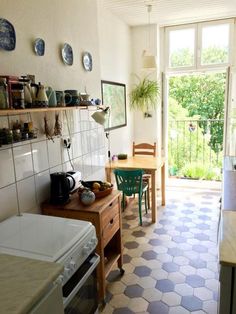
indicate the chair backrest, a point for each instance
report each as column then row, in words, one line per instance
column 144, row 149
column 129, row 181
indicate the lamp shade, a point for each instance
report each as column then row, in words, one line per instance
column 100, row 116
column 149, row 62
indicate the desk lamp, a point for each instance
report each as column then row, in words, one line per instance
column 100, row 117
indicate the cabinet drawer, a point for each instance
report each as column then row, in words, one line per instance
column 110, row 212
column 110, row 229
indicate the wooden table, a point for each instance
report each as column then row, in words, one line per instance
column 150, row 165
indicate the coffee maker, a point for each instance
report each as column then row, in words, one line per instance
column 61, row 185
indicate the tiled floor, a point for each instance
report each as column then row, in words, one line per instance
column 171, row 266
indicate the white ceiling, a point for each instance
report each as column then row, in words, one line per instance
column 169, row 12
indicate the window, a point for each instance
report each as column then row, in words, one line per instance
column 181, row 47
column 199, row 45
column 215, row 44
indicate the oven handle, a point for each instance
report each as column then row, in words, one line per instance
column 95, row 260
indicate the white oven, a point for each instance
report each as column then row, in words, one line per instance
column 67, row 241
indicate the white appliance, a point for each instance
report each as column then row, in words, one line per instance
column 67, row 241
column 77, row 177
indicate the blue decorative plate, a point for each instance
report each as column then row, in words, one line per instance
column 39, row 46
column 7, row 35
column 87, row 61
column 67, row 54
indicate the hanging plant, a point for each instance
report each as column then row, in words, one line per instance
column 144, row 95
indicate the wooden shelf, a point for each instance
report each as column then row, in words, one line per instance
column 111, row 259
column 10, row 112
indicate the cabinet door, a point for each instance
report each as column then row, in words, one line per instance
column 226, row 290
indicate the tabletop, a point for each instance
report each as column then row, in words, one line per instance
column 134, row 162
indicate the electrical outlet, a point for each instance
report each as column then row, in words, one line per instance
column 66, row 142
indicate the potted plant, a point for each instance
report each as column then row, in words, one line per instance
column 144, row 95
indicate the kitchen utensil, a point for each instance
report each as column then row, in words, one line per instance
column 60, row 96
column 27, row 91
column 39, row 95
column 51, row 94
column 61, row 185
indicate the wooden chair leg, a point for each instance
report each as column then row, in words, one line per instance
column 146, row 201
column 123, row 202
column 140, row 209
column 148, row 194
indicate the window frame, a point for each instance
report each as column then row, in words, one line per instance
column 198, row 46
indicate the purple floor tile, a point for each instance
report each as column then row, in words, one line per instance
column 191, row 303
column 170, row 267
column 197, row 263
column 201, row 237
column 155, row 242
column 158, row 307
column 142, row 271
column 199, row 248
column 160, row 231
column 123, row 310
column 149, row 255
column 165, row 285
column 126, row 259
column 195, row 281
column 133, row 291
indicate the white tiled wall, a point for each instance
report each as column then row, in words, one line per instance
column 25, row 167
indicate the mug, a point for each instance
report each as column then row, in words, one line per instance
column 60, row 96
column 52, row 100
column 71, row 99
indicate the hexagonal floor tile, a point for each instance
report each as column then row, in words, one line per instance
column 152, row 294
column 179, row 239
column 138, row 305
column 199, row 248
column 183, row 289
column 195, row 281
column 131, row 245
column 160, row 231
column 175, row 251
column 126, row 258
column 191, row 303
column 171, row 298
column 138, row 233
column 133, row 291
column 170, row 267
column 155, row 242
column 148, row 255
column 203, row 293
column 165, row 285
column 157, row 307
column 142, row 271
column 197, row 263
column 201, row 237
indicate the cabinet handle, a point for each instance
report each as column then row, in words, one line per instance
column 111, row 221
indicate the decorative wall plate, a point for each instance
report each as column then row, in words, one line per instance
column 67, row 54
column 7, row 35
column 87, row 61
column 39, row 46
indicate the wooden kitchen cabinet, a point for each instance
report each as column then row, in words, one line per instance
column 105, row 215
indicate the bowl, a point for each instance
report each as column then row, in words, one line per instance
column 98, row 194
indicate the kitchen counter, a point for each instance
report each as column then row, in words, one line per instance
column 23, row 282
column 228, row 238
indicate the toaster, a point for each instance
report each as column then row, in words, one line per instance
column 77, row 177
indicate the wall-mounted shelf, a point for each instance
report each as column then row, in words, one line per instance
column 10, row 112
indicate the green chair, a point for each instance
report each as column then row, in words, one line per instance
column 130, row 183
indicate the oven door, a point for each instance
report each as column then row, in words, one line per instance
column 80, row 294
